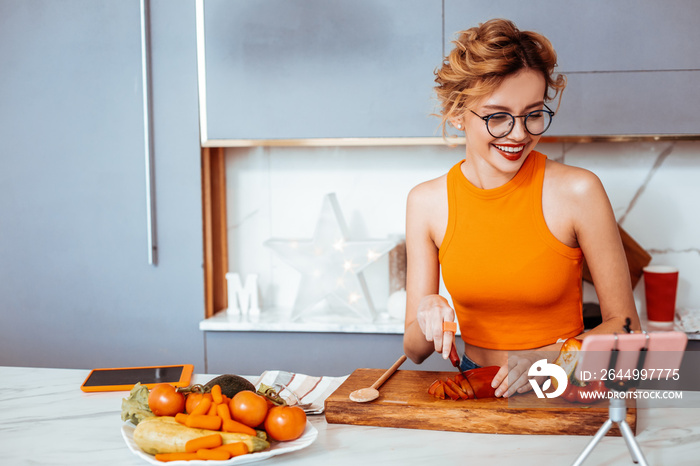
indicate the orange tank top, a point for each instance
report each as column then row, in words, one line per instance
column 513, row 284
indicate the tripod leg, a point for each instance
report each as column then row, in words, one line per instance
column 594, row 441
column 632, row 445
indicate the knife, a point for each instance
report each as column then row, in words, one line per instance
column 448, row 326
column 455, row 360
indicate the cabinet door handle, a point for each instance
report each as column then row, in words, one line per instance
column 148, row 132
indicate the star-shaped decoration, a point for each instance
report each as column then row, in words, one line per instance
column 331, row 265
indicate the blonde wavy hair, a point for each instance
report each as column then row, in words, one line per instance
column 484, row 56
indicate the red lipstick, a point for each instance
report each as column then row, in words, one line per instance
column 510, row 152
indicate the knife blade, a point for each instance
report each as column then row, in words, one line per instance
column 455, row 360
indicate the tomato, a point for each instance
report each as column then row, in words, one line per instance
column 165, row 400
column 571, row 393
column 248, row 408
column 193, row 400
column 582, row 394
column 585, row 394
column 285, row 423
column 597, row 386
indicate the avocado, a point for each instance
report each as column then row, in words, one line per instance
column 230, row 384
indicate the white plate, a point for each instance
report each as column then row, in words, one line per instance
column 276, row 448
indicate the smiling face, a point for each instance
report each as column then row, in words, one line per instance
column 491, row 162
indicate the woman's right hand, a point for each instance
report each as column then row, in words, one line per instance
column 432, row 311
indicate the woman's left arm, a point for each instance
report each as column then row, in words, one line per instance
column 598, row 236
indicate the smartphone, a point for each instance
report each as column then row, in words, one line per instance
column 124, row 378
column 663, row 356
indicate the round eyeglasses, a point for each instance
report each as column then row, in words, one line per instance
column 500, row 124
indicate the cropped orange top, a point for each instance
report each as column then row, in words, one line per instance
column 513, row 284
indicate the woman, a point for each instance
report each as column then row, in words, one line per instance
column 508, row 227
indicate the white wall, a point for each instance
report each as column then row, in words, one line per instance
column 277, row 192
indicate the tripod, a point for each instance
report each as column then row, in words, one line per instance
column 617, row 412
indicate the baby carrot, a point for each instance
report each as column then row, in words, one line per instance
column 202, row 407
column 181, row 418
column 208, row 441
column 216, row 394
column 223, row 412
column 236, row 449
column 220, row 455
column 230, row 425
column 203, row 421
column 176, row 456
column 212, row 409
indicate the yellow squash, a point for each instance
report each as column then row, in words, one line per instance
column 568, row 359
column 164, row 434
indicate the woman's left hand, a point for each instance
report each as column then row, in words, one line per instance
column 512, row 377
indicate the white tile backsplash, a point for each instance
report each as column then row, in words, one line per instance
column 622, row 168
column 277, row 192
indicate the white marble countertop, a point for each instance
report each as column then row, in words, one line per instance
column 279, row 320
column 46, row 419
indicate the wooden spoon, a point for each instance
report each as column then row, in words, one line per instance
column 364, row 395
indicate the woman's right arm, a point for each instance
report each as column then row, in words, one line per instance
column 426, row 310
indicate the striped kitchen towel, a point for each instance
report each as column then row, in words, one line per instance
column 307, row 389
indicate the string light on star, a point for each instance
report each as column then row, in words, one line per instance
column 331, row 265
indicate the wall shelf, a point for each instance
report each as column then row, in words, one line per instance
column 433, row 141
column 278, row 320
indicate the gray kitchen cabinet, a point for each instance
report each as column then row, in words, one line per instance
column 76, row 289
column 632, row 65
column 312, row 353
column 629, row 104
column 278, row 69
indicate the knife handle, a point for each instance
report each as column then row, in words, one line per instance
column 454, row 357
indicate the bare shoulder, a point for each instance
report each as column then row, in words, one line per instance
column 427, row 211
column 428, row 194
column 574, row 184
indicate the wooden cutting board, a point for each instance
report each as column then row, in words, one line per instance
column 404, row 402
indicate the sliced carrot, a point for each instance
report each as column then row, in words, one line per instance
column 219, row 455
column 181, row 418
column 433, row 387
column 450, row 392
column 236, row 449
column 457, row 389
column 230, row 425
column 440, row 390
column 203, row 406
column 204, row 421
column 467, row 387
column 223, row 412
column 216, row 394
column 165, row 457
column 207, row 441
